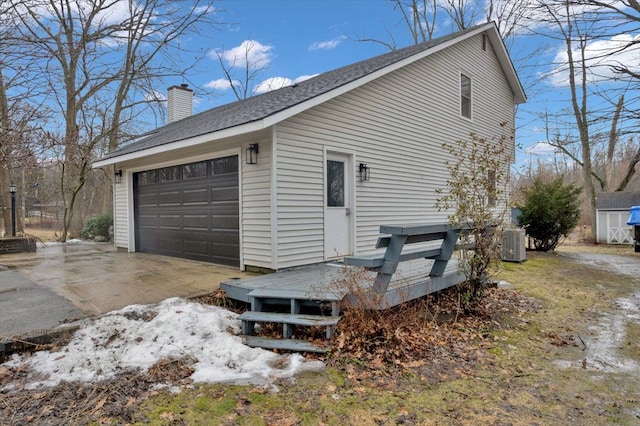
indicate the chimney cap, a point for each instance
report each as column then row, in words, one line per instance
column 183, row 86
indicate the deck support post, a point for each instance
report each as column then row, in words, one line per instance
column 390, row 264
column 287, row 329
column 446, row 251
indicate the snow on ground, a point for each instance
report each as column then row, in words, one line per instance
column 138, row 336
column 57, row 243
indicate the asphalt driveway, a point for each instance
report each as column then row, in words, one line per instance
column 65, row 282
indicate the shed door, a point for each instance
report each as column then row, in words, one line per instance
column 189, row 211
column 618, row 232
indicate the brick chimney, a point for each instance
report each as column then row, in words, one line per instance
column 179, row 102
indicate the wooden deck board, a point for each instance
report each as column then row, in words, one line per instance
column 322, row 282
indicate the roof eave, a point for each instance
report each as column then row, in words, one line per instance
column 519, row 96
column 184, row 143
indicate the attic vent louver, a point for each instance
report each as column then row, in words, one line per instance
column 179, row 102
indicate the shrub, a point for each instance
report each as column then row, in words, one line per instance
column 475, row 197
column 97, row 225
column 550, row 212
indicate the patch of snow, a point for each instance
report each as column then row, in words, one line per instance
column 72, row 241
column 602, row 350
column 138, row 336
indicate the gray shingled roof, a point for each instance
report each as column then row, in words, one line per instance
column 617, row 200
column 269, row 103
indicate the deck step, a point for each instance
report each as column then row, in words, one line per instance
column 282, row 344
column 298, row 319
column 326, row 295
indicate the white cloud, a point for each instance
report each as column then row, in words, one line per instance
column 541, row 148
column 326, row 45
column 155, row 95
column 303, row 78
column 221, row 84
column 250, row 53
column 275, row 83
column 600, row 57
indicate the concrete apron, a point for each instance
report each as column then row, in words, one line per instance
column 62, row 283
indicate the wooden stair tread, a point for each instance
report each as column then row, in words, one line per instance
column 282, row 344
column 299, row 319
column 298, row 294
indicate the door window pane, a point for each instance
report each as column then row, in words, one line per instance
column 168, row 174
column 194, row 170
column 335, row 183
column 225, row 165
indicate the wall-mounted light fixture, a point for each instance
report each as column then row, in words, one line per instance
column 365, row 172
column 252, row 154
column 117, row 176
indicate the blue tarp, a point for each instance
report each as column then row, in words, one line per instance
column 634, row 216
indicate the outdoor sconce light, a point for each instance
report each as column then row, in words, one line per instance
column 252, row 154
column 365, row 172
column 117, row 176
column 12, row 189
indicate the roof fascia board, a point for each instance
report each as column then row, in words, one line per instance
column 185, row 143
column 505, row 60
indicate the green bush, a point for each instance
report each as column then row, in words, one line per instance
column 550, row 212
column 97, row 225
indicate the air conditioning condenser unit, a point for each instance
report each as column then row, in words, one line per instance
column 513, row 245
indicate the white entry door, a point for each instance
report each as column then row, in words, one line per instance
column 338, row 206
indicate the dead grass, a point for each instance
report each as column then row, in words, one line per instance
column 42, row 234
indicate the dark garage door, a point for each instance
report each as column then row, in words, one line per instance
column 189, row 211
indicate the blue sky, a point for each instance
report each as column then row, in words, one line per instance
column 301, row 38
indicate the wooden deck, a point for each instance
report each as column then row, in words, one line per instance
column 412, row 262
column 331, row 282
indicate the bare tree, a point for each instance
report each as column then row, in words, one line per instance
column 241, row 67
column 576, row 28
column 98, row 58
column 421, row 17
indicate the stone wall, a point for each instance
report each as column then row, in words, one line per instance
column 17, row 245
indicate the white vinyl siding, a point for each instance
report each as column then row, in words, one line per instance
column 300, row 198
column 120, row 215
column 256, row 207
column 396, row 125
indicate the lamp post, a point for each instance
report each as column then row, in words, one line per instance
column 12, row 189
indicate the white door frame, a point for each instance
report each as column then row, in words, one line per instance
column 350, row 197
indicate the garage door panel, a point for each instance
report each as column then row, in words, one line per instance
column 196, row 196
column 224, row 222
column 148, row 199
column 173, row 198
column 193, row 218
column 199, row 222
column 147, row 221
column 224, row 194
column 196, row 248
